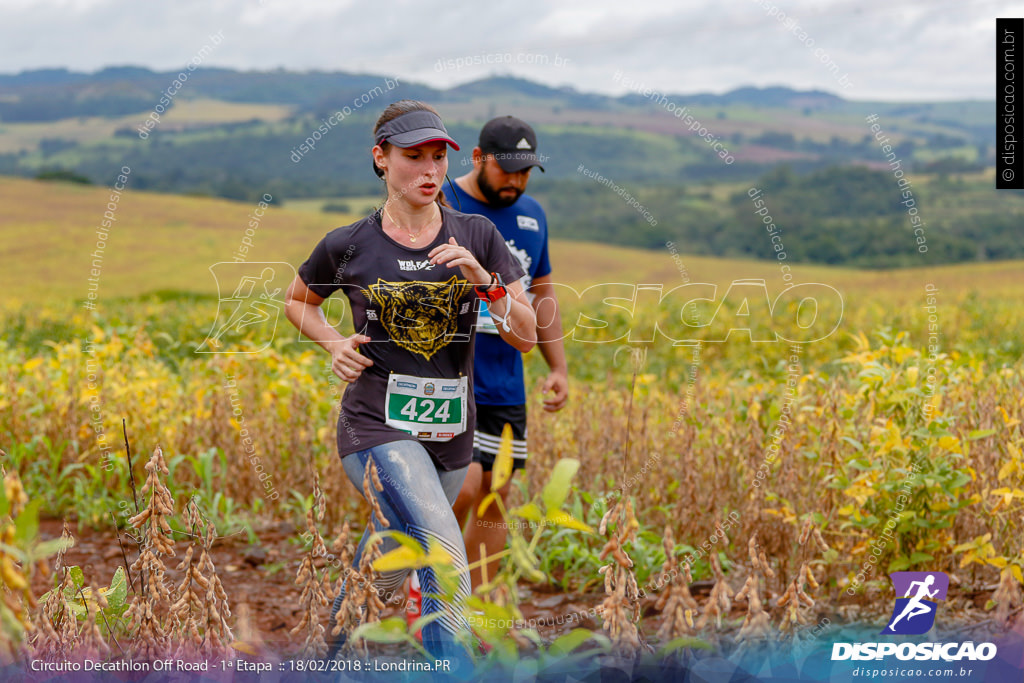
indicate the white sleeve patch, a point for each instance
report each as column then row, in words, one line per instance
column 528, row 223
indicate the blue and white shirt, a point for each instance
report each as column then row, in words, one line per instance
column 498, row 367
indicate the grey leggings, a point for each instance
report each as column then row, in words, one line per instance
column 416, row 500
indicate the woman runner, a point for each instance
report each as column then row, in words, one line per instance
column 412, row 272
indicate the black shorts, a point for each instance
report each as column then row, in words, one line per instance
column 490, row 421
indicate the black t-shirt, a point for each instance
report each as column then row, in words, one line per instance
column 420, row 318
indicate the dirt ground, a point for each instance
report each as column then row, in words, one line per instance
column 261, row 576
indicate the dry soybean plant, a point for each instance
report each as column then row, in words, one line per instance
column 1008, row 599
column 316, row 591
column 186, row 621
column 347, row 617
column 152, row 638
column 15, row 622
column 56, row 626
column 160, row 622
column 757, row 624
column 796, row 600
column 201, row 597
column 720, row 601
column 366, row 601
column 361, row 603
column 621, row 606
column 676, row 602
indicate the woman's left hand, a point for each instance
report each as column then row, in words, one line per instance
column 454, row 255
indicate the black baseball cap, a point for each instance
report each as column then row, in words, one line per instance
column 512, row 142
column 414, row 128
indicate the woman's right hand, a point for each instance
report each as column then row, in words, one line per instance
column 346, row 361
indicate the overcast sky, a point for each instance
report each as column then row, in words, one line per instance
column 887, row 49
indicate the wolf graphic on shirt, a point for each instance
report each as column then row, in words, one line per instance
column 420, row 317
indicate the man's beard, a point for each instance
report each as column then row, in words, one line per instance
column 493, row 196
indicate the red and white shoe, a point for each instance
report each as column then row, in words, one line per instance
column 414, row 605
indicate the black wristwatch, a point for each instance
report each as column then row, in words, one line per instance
column 494, row 294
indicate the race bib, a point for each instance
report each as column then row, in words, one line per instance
column 430, row 409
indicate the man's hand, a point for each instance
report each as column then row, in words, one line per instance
column 556, row 384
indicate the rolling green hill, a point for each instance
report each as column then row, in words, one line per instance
column 237, row 136
column 161, row 242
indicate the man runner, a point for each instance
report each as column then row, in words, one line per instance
column 494, row 188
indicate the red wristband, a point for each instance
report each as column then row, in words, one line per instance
column 494, row 294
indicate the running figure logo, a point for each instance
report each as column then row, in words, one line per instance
column 250, row 300
column 914, row 613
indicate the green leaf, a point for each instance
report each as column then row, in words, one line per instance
column 529, row 511
column 918, row 558
column 557, row 488
column 403, row 539
column 77, row 608
column 448, row 579
column 980, row 434
column 853, row 442
column 564, row 519
column 10, row 624
column 4, row 505
column 391, row 630
column 899, row 564
column 685, row 644
column 401, row 557
column 424, row 620
column 489, row 621
column 50, row 547
column 118, row 591
column 525, row 560
column 563, row 645
column 77, row 579
column 26, row 527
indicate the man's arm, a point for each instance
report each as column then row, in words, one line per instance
column 549, row 340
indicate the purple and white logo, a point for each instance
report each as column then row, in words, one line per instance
column 917, row 595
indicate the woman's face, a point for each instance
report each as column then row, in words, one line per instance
column 414, row 174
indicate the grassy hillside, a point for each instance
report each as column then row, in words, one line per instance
column 166, row 242
column 158, row 242
column 238, row 136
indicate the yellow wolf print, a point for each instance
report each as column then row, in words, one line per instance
column 421, row 317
